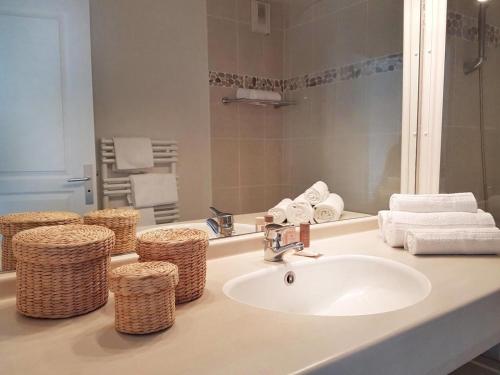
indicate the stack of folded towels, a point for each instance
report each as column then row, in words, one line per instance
column 439, row 224
column 316, row 204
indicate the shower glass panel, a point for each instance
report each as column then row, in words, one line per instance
column 470, row 148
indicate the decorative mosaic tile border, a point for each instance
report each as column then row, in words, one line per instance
column 353, row 71
column 364, row 68
column 465, row 27
column 243, row 81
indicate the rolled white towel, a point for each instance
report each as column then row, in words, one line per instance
column 257, row 94
column 317, row 193
column 382, row 217
column 453, row 241
column 300, row 211
column 398, row 223
column 330, row 209
column 279, row 211
column 459, row 202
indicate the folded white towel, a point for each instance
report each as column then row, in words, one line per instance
column 459, row 202
column 317, row 193
column 279, row 211
column 453, row 241
column 382, row 217
column 133, row 153
column 398, row 223
column 330, row 209
column 153, row 189
column 300, row 211
column 257, row 94
column 146, row 216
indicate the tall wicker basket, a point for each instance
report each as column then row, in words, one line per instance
column 122, row 221
column 62, row 270
column 144, row 296
column 16, row 222
column 186, row 248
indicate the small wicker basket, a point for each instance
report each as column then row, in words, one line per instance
column 11, row 224
column 186, row 248
column 144, row 296
column 62, row 270
column 122, row 221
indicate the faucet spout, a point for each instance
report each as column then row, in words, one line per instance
column 278, row 254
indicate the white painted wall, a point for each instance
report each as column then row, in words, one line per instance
column 150, row 74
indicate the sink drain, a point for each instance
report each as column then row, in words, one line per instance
column 289, row 278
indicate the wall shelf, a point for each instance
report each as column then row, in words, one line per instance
column 260, row 102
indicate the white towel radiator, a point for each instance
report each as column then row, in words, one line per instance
column 165, row 155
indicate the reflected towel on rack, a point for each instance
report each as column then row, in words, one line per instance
column 146, row 216
column 133, row 153
column 257, row 94
column 153, row 189
column 300, row 211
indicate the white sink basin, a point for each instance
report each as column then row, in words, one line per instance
column 332, row 286
column 238, row 228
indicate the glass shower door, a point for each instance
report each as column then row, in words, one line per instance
column 470, row 143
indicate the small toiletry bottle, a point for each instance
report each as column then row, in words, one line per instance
column 259, row 223
column 289, row 235
column 305, row 234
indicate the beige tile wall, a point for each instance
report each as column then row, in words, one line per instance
column 247, row 141
column 347, row 133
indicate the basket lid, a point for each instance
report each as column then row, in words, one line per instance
column 62, row 244
column 13, row 221
column 181, row 235
column 143, row 278
column 122, row 216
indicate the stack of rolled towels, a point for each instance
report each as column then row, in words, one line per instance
column 439, row 224
column 316, row 204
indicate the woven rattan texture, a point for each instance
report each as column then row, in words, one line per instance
column 144, row 296
column 186, row 248
column 62, row 270
column 11, row 224
column 122, row 221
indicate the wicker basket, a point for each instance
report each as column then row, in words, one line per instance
column 144, row 296
column 185, row 248
column 122, row 221
column 62, row 270
column 16, row 222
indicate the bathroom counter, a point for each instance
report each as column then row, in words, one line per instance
column 456, row 322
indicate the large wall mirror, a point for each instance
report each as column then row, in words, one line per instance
column 244, row 103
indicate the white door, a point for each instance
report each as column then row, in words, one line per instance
column 46, row 115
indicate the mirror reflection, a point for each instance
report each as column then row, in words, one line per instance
column 201, row 114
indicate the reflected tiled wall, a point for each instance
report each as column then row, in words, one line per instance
column 461, row 167
column 347, row 131
column 341, row 62
column 247, row 141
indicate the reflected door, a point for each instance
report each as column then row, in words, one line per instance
column 46, row 119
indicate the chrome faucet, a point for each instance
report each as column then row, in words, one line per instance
column 273, row 250
column 223, row 223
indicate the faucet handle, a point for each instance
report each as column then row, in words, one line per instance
column 273, row 231
column 218, row 213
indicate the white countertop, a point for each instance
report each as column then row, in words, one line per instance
column 457, row 321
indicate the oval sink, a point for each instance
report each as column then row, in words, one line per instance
column 238, row 228
column 332, row 286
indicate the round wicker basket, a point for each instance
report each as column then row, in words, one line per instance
column 62, row 270
column 186, row 248
column 144, row 296
column 11, row 224
column 122, row 221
